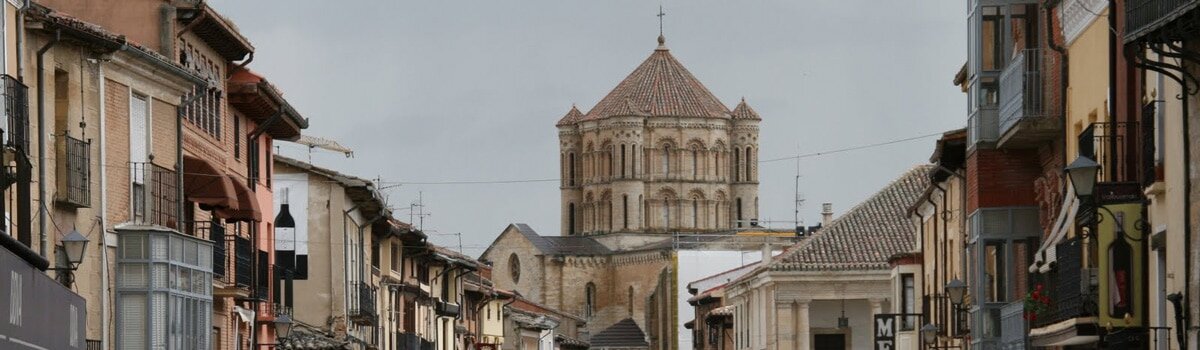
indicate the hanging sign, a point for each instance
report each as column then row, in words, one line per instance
column 885, row 331
column 1121, row 244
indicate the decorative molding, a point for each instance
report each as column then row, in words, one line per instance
column 1077, row 15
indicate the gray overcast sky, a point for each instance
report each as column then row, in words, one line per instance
column 428, row 91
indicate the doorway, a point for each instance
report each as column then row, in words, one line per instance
column 829, row 342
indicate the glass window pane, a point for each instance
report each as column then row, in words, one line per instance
column 158, row 247
column 133, row 247
column 132, row 275
column 131, row 321
column 160, row 275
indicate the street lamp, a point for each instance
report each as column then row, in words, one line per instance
column 1082, row 172
column 74, row 245
column 283, row 327
column 929, row 333
column 957, row 291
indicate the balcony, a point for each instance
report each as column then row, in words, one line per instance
column 153, row 190
column 362, row 310
column 1028, row 105
column 1146, row 16
column 1069, row 318
column 448, row 309
column 983, row 127
column 16, row 113
column 75, row 172
column 1114, row 147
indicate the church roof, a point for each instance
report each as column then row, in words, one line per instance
column 623, row 334
column 660, row 86
column 865, row 236
column 572, row 116
column 562, row 245
column 743, row 111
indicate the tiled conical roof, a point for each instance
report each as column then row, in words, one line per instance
column 743, row 111
column 660, row 86
column 572, row 116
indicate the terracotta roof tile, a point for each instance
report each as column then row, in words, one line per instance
column 743, row 111
column 572, row 116
column 660, row 86
column 866, row 235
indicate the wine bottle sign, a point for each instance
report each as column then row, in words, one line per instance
column 1121, row 242
column 291, row 219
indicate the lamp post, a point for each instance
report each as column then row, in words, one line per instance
column 74, row 245
column 929, row 335
column 957, row 291
column 1083, row 172
column 283, row 327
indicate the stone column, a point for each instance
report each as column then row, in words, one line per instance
column 772, row 329
column 803, row 334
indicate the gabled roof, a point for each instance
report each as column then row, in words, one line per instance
column 660, row 86
column 866, row 236
column 561, row 245
column 623, row 334
column 572, row 116
column 218, row 32
column 706, row 284
column 743, row 111
column 361, row 191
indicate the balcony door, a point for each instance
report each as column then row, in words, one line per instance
column 139, row 151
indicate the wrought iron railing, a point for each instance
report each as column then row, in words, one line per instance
column 153, row 192
column 76, row 177
column 92, row 345
column 1070, row 290
column 1024, row 92
column 243, row 262
column 1113, row 146
column 262, row 280
column 363, row 308
column 1145, row 16
column 16, row 112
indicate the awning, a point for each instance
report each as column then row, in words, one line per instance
column 203, row 184
column 244, row 206
column 1047, row 253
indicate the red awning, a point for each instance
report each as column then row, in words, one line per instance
column 203, row 184
column 245, row 207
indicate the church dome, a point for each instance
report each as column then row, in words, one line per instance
column 743, row 111
column 660, row 86
column 572, row 116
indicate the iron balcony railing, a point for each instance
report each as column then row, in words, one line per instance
column 76, row 176
column 1113, row 146
column 1071, row 294
column 16, row 112
column 1145, row 16
column 243, row 262
column 363, row 310
column 262, row 280
column 92, row 345
column 448, row 309
column 153, row 194
column 1024, row 92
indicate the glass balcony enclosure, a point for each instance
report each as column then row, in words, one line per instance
column 164, row 290
column 998, row 31
column 1001, row 242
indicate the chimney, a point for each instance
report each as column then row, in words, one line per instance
column 826, row 213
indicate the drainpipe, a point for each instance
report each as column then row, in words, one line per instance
column 1112, row 89
column 1064, row 73
column 104, row 302
column 41, row 126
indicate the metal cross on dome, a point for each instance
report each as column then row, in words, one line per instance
column 660, row 19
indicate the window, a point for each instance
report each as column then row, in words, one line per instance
column 739, row 212
column 571, row 169
column 737, row 164
column 908, row 301
column 666, row 160
column 695, row 213
column 205, row 110
column 625, row 210
column 622, row 160
column 666, row 213
column 590, row 300
column 164, row 291
column 749, row 162
column 994, row 272
column 395, row 256
column 571, row 219
column 237, row 139
column 633, row 160
column 514, row 268
column 695, row 164
column 630, row 303
column 375, row 256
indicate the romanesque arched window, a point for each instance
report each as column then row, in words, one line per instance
column 643, row 212
column 625, row 210
column 571, row 169
column 695, row 163
column 622, row 160
column 695, row 213
column 739, row 212
column 590, row 300
column 611, row 169
column 571, row 219
column 629, row 304
column 666, row 160
column 749, row 162
column 737, row 164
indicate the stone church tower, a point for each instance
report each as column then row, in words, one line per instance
column 659, row 154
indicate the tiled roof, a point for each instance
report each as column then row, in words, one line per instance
column 623, row 334
column 708, row 284
column 743, row 111
column 572, row 116
column 562, row 245
column 660, row 86
column 866, row 236
column 570, row 343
